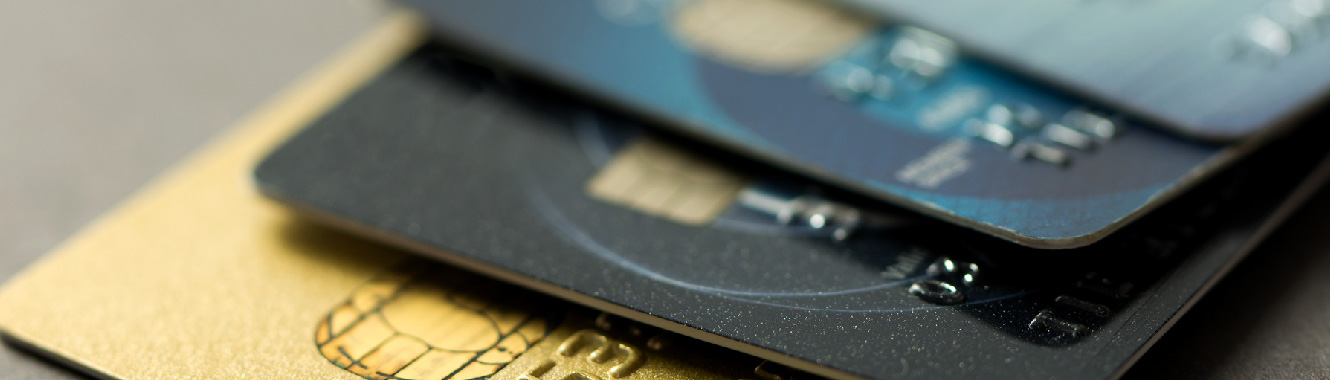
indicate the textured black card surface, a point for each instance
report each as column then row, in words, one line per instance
column 437, row 157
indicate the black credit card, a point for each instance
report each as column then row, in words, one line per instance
column 520, row 184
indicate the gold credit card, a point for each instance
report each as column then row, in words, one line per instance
column 198, row 277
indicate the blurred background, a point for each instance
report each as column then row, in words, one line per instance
column 96, row 98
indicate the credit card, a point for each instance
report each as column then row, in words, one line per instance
column 893, row 112
column 520, row 184
column 198, row 277
column 1223, row 70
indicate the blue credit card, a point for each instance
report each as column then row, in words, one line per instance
column 1220, row 69
column 894, row 112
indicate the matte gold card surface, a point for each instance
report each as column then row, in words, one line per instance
column 198, row 277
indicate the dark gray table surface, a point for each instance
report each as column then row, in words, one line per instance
column 1269, row 319
column 96, row 98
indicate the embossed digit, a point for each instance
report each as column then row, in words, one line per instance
column 603, row 349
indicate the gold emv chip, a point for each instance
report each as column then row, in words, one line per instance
column 427, row 322
column 658, row 179
column 769, row 35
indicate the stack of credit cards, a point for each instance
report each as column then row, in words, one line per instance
column 846, row 195
column 727, row 189
column 240, row 289
column 512, row 181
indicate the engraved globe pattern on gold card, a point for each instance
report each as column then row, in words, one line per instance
column 426, row 322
